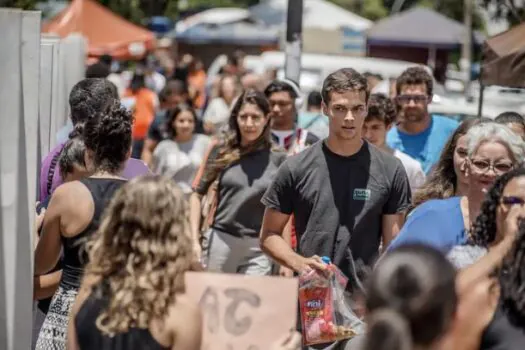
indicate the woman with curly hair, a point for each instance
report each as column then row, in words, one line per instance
column 493, row 150
column 491, row 226
column 180, row 155
column 241, row 166
column 74, row 213
column 447, row 178
column 132, row 295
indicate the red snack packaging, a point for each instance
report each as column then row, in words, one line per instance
column 325, row 317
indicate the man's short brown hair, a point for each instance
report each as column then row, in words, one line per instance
column 342, row 80
column 415, row 76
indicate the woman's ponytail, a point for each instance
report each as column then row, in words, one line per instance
column 387, row 330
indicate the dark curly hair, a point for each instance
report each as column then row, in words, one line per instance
column 381, row 108
column 73, row 152
column 89, row 97
column 172, row 114
column 415, row 76
column 108, row 136
column 512, row 280
column 441, row 182
column 484, row 229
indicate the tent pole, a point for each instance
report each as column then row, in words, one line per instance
column 480, row 101
column 481, row 87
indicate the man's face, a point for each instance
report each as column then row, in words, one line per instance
column 374, row 131
column 282, row 109
column 175, row 99
column 346, row 112
column 413, row 102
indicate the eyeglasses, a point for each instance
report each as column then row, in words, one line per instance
column 483, row 166
column 408, row 98
column 512, row 200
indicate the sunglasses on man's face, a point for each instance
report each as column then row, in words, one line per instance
column 512, row 200
column 408, row 98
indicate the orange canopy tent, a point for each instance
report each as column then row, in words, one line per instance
column 106, row 33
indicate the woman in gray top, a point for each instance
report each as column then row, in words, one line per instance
column 244, row 164
column 180, row 155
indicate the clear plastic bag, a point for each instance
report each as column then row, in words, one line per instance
column 325, row 314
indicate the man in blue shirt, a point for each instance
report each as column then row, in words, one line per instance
column 417, row 133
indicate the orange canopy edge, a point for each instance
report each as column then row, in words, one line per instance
column 105, row 32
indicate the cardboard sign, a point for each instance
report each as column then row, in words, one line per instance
column 243, row 312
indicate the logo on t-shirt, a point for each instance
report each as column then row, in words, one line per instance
column 361, row 194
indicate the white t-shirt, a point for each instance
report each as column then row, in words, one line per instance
column 415, row 173
column 181, row 161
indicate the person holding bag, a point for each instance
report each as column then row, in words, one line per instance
column 236, row 172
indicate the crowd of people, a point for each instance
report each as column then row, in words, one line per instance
column 162, row 175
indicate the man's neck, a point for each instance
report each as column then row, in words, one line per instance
column 283, row 127
column 415, row 127
column 344, row 148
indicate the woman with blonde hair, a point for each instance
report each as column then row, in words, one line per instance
column 218, row 111
column 132, row 296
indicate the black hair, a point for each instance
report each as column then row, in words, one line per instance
column 415, row 76
column 173, row 87
column 442, row 180
column 484, row 228
column 108, row 136
column 98, row 70
column 73, row 152
column 511, row 118
column 89, row 97
column 106, row 59
column 342, row 80
column 138, row 81
column 381, row 108
column 414, row 284
column 172, row 114
column 512, row 280
column 279, row 86
column 314, row 99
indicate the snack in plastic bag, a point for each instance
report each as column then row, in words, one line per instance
column 325, row 315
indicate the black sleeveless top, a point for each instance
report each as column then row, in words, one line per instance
column 502, row 333
column 75, row 257
column 91, row 338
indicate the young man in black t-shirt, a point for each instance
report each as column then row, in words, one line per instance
column 346, row 195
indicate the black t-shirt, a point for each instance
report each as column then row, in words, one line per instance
column 502, row 333
column 338, row 202
column 241, row 187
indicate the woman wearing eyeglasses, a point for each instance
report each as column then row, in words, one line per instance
column 493, row 150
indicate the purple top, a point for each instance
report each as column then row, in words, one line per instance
column 134, row 168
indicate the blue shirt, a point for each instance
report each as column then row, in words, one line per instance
column 438, row 223
column 426, row 146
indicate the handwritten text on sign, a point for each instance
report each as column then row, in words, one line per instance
column 243, row 312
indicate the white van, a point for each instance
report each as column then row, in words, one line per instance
column 315, row 67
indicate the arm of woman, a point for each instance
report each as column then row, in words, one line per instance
column 46, row 285
column 48, row 248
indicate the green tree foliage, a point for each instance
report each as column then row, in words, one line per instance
column 511, row 10
column 21, row 4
